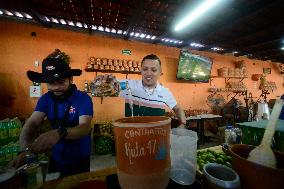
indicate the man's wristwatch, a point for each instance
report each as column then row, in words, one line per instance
column 62, row 131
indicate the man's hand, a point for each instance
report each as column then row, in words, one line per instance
column 45, row 141
column 18, row 161
column 181, row 126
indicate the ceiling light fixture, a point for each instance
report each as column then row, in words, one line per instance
column 85, row 26
column 1, row 12
column 142, row 35
column 113, row 30
column 192, row 16
column 54, row 20
column 282, row 48
column 148, row 36
column 8, row 13
column 136, row 34
column 100, row 28
column 198, row 45
column 70, row 23
column 107, row 29
column 79, row 24
column 47, row 19
column 153, row 37
column 125, row 33
column 62, row 21
column 119, row 31
column 132, row 33
column 217, row 49
column 19, row 14
column 180, row 42
column 28, row 16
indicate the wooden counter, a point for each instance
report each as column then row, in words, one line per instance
column 74, row 180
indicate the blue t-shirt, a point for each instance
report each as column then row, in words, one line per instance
column 79, row 103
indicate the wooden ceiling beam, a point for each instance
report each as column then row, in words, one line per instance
column 262, row 42
column 228, row 22
column 270, row 29
column 36, row 15
column 135, row 18
column 83, row 9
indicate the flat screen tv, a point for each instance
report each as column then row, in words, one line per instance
column 193, row 67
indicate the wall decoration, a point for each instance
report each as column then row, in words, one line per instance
column 267, row 70
column 35, row 91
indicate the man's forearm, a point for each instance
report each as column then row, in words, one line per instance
column 26, row 136
column 78, row 131
column 180, row 114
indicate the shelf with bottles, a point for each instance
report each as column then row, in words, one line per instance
column 112, row 71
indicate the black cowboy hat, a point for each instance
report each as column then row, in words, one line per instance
column 53, row 69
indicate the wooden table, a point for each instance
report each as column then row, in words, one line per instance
column 200, row 119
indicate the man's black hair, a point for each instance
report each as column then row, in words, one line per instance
column 151, row 57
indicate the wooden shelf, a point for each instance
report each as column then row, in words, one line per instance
column 111, row 71
column 226, row 90
column 227, row 78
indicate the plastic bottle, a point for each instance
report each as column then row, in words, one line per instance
column 5, row 133
column 2, row 133
column 228, row 134
column 238, row 133
column 2, row 156
column 124, row 85
column 12, row 131
column 130, row 97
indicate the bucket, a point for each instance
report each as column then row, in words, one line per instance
column 217, row 176
column 142, row 152
column 183, row 156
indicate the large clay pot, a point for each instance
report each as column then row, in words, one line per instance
column 143, row 152
column 255, row 176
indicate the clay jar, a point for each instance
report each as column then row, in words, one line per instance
column 143, row 152
column 255, row 175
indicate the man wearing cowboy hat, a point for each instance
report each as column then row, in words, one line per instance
column 70, row 112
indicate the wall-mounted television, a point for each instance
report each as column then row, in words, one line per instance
column 193, row 67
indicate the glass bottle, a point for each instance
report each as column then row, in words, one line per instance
column 33, row 173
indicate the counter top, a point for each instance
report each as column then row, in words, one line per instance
column 263, row 123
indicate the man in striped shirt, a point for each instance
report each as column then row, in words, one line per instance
column 147, row 96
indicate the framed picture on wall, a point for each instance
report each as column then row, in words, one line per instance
column 267, row 70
